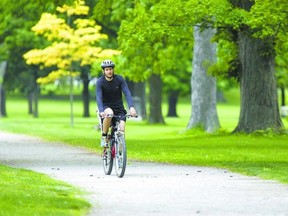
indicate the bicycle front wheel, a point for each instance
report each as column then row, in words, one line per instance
column 107, row 160
column 121, row 157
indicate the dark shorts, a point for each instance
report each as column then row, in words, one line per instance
column 118, row 111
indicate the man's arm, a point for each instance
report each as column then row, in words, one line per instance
column 128, row 97
column 126, row 92
column 99, row 96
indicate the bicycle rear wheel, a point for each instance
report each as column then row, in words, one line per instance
column 107, row 160
column 121, row 157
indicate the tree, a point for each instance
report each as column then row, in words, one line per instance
column 203, row 97
column 282, row 70
column 259, row 104
column 282, row 80
column 110, row 19
column 2, row 95
column 254, row 31
column 142, row 39
column 74, row 44
column 254, row 27
column 176, row 79
column 16, row 38
column 147, row 57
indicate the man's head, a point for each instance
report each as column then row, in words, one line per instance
column 108, row 69
column 107, row 63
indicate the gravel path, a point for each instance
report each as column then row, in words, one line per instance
column 147, row 188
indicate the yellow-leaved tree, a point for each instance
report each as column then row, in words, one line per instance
column 74, row 44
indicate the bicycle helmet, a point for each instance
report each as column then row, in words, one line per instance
column 107, row 63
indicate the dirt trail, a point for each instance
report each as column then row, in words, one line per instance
column 147, row 188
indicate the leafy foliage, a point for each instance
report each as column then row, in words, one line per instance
column 154, row 24
column 16, row 38
column 150, row 46
column 71, row 42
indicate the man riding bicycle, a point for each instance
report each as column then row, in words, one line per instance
column 109, row 89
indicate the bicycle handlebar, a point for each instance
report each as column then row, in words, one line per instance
column 119, row 116
column 116, row 116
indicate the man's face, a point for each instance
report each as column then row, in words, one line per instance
column 108, row 72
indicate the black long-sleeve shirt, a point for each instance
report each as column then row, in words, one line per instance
column 109, row 93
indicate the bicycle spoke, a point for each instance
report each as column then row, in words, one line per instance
column 107, row 161
column 121, row 157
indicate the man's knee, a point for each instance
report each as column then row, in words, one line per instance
column 109, row 112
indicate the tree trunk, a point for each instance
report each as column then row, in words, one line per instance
column 71, row 97
column 3, row 112
column 155, row 96
column 32, row 99
column 86, row 97
column 33, row 94
column 139, row 96
column 258, row 91
column 2, row 92
column 140, row 92
column 203, row 97
column 172, row 102
column 220, row 96
column 30, row 102
column 85, row 77
column 35, row 101
column 282, row 96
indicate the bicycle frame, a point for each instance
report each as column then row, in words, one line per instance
column 116, row 151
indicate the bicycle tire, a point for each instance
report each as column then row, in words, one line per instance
column 107, row 160
column 120, row 157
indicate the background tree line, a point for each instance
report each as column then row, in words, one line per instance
column 157, row 40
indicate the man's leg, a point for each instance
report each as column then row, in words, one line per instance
column 122, row 126
column 105, row 126
column 107, row 120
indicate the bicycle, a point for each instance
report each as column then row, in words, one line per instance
column 116, row 150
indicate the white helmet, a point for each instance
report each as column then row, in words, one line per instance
column 107, row 63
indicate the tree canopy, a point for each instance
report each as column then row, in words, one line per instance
column 151, row 26
column 71, row 42
column 156, row 40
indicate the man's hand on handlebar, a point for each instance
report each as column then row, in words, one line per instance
column 133, row 112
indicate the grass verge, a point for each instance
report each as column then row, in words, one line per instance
column 25, row 192
column 262, row 155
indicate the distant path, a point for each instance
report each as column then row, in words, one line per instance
column 147, row 188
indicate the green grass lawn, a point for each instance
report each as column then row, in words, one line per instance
column 28, row 193
column 262, row 155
